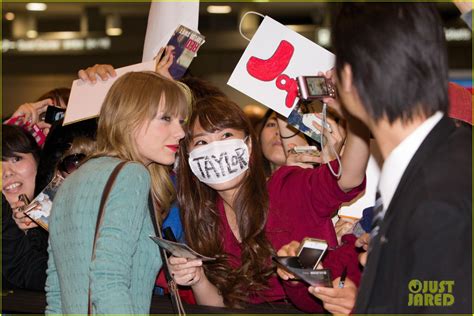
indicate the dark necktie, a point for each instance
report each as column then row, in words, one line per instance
column 378, row 216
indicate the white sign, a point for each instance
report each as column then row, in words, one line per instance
column 274, row 58
column 86, row 98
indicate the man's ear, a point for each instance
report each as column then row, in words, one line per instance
column 347, row 78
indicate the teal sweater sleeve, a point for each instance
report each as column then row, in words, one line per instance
column 53, row 293
column 124, row 215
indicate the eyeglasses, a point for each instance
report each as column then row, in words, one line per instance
column 70, row 163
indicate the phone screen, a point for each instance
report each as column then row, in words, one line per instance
column 309, row 257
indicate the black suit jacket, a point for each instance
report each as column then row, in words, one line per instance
column 426, row 232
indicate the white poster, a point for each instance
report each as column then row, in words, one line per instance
column 274, row 58
column 86, row 98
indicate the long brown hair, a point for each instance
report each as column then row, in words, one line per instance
column 134, row 99
column 201, row 219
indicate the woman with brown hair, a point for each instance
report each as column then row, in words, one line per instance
column 232, row 214
column 140, row 122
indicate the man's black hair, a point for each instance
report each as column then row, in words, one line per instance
column 398, row 57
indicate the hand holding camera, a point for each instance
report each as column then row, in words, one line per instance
column 315, row 88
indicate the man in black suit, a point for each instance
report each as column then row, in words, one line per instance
column 392, row 74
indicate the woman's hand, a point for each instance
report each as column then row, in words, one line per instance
column 103, row 71
column 334, row 105
column 186, row 272
column 30, row 112
column 337, row 300
column 22, row 221
column 163, row 64
column 344, row 226
column 288, row 250
column 335, row 138
column 300, row 159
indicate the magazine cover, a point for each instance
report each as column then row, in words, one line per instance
column 186, row 44
column 40, row 208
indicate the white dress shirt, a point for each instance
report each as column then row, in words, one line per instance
column 398, row 160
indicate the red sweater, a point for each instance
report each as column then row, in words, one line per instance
column 302, row 202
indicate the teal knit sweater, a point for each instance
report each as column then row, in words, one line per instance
column 127, row 261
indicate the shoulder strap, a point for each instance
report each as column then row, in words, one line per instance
column 100, row 216
column 172, row 286
column 105, row 195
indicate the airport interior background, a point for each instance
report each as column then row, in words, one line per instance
column 44, row 46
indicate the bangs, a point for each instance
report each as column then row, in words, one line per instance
column 216, row 114
column 17, row 141
column 177, row 101
column 7, row 154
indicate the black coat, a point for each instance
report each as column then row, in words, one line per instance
column 24, row 256
column 426, row 232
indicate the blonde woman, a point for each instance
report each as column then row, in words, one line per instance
column 140, row 122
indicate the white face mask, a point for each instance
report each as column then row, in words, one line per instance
column 219, row 161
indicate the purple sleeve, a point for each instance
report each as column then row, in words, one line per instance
column 344, row 256
column 316, row 185
column 329, row 195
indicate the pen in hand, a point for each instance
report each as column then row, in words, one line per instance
column 343, row 278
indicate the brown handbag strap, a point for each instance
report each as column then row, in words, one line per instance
column 172, row 286
column 100, row 218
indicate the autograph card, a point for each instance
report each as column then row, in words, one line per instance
column 179, row 250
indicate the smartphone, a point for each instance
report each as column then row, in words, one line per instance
column 53, row 114
column 310, row 252
column 315, row 87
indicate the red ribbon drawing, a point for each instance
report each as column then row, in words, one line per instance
column 269, row 69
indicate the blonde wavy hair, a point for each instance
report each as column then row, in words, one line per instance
column 134, row 99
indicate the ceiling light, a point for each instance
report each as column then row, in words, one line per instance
column 114, row 31
column 36, row 6
column 219, row 9
column 31, row 34
column 324, row 36
column 113, row 25
column 9, row 16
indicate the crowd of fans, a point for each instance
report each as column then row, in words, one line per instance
column 239, row 193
